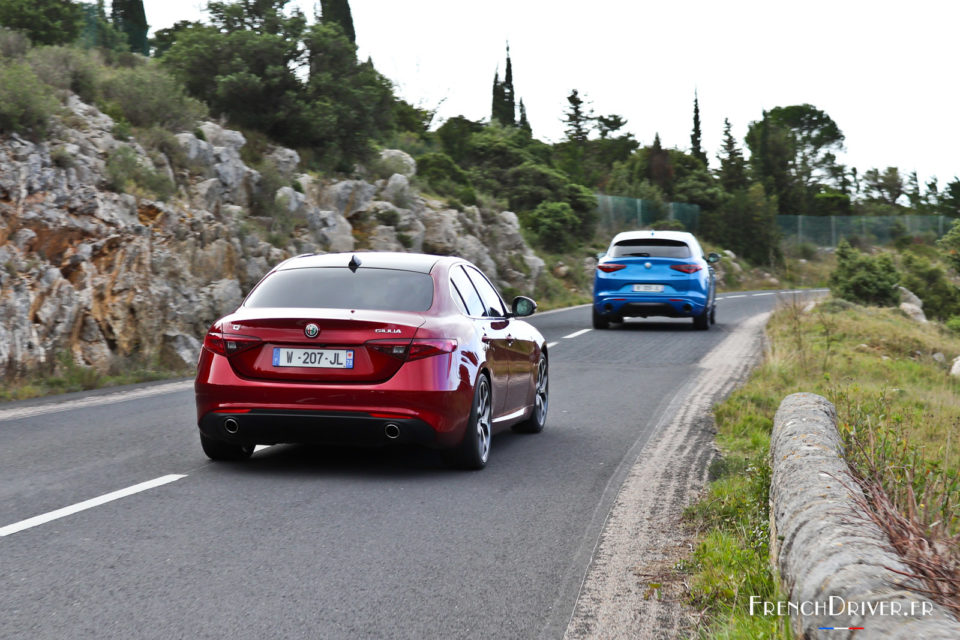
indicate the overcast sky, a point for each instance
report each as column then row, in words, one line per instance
column 885, row 71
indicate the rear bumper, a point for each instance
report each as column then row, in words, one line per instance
column 428, row 399
column 315, row 427
column 619, row 304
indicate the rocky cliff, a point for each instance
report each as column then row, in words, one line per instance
column 97, row 274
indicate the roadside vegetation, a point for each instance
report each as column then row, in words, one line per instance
column 889, row 378
column 65, row 376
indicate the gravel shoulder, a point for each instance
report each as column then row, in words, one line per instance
column 630, row 590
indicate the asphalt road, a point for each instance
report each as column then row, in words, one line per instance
column 304, row 542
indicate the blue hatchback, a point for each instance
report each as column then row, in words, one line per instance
column 655, row 273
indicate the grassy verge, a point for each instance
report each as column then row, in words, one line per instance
column 897, row 407
column 69, row 376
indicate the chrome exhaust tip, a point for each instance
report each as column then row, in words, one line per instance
column 392, row 431
column 231, row 426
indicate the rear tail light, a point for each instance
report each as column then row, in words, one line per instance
column 686, row 268
column 416, row 349
column 226, row 344
column 611, row 267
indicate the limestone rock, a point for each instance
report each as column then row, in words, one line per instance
column 398, row 162
column 285, row 160
column 914, row 312
column 909, row 297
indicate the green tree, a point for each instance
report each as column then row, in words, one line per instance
column 695, row 135
column 129, row 17
column 792, row 153
column 338, row 12
column 886, row 187
column 44, row 21
column 660, row 169
column 949, row 201
column 99, row 32
column 454, row 136
column 350, row 104
column 733, row 168
column 578, row 118
column 746, row 222
column 163, row 39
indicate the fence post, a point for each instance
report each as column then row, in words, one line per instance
column 833, row 231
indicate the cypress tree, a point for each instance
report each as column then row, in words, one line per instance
column 509, row 104
column 504, row 109
column 129, row 17
column 338, row 12
column 695, row 136
column 524, row 123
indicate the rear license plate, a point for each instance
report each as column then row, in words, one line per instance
column 315, row 358
column 649, row 288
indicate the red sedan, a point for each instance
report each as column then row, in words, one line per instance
column 372, row 348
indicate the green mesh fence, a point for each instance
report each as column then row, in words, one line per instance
column 619, row 213
column 827, row 231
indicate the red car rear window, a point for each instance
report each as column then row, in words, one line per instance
column 340, row 288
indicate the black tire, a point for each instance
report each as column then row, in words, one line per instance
column 541, row 401
column 220, row 450
column 474, row 450
column 599, row 322
column 702, row 321
column 713, row 314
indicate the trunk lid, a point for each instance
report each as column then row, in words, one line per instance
column 344, row 339
column 659, row 271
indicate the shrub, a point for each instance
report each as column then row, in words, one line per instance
column 13, row 44
column 949, row 244
column 67, row 69
column 62, row 158
column 446, row 178
column 161, row 140
column 941, row 299
column 953, row 324
column 25, row 102
column 864, row 279
column 554, row 225
column 124, row 168
column 147, row 96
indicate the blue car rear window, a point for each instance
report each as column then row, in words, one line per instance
column 340, row 288
column 651, row 248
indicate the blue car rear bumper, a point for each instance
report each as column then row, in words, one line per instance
column 620, row 304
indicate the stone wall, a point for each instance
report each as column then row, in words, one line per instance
column 826, row 550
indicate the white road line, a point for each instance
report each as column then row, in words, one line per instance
column 577, row 333
column 95, row 401
column 739, row 295
column 577, row 306
column 757, row 295
column 551, row 345
column 87, row 504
